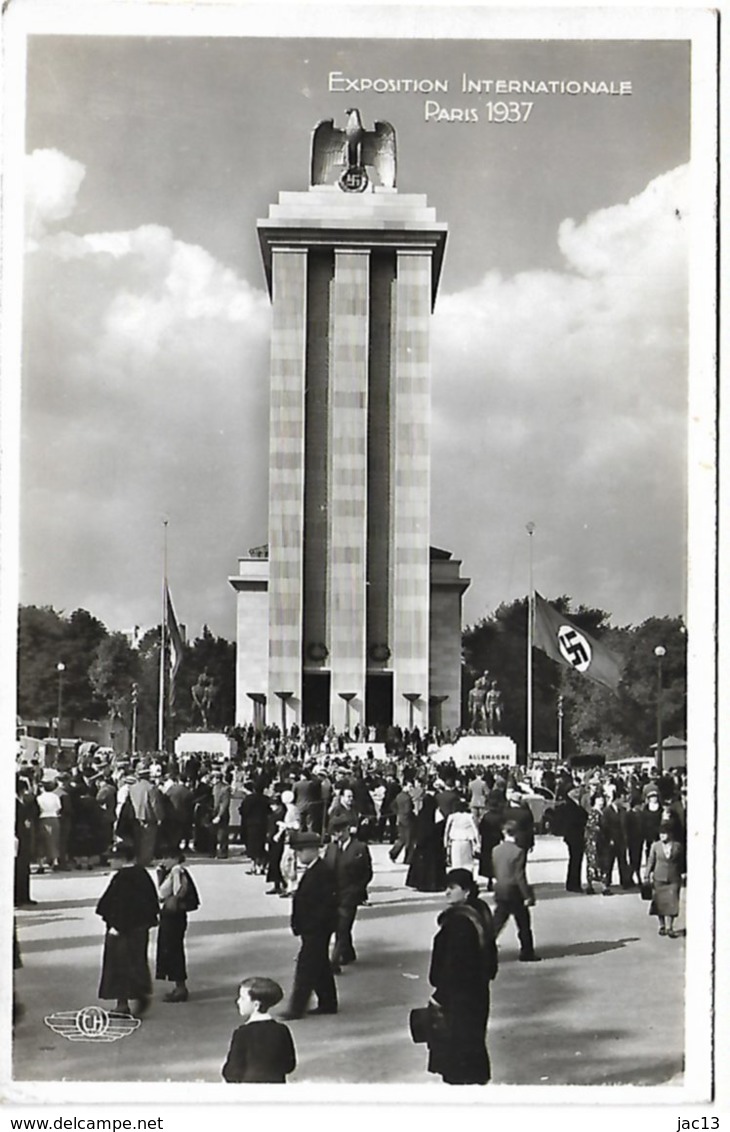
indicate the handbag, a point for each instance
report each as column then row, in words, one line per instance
column 647, row 891
column 427, row 1023
column 186, row 900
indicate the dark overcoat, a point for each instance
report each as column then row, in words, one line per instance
column 463, row 962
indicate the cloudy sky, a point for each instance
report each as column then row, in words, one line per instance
column 559, row 337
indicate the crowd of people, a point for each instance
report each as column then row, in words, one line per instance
column 307, row 813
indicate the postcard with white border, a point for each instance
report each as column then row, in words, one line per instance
column 359, row 560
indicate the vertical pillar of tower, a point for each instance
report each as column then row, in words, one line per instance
column 348, row 483
column 411, row 405
column 286, row 483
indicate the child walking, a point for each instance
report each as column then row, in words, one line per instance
column 262, row 1049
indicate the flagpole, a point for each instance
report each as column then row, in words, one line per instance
column 163, row 644
column 530, row 528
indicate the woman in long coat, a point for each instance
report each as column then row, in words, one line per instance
column 129, row 909
column 664, row 873
column 427, row 872
column 463, row 962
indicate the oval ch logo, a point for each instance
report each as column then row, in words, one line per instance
column 93, row 1021
column 92, row 1024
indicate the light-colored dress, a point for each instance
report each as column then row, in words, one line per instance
column 288, row 866
column 461, row 838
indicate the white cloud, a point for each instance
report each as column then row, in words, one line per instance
column 52, row 182
column 564, row 394
column 145, row 362
column 637, row 236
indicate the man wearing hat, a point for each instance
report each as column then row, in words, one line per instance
column 572, row 819
column 149, row 810
column 221, row 817
column 352, row 868
column 313, row 919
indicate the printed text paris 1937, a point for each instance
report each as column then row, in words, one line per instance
column 496, row 111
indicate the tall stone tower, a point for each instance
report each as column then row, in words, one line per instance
column 349, row 616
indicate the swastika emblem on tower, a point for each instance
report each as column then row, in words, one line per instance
column 574, row 647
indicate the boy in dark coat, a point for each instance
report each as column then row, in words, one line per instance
column 313, row 919
column 262, row 1053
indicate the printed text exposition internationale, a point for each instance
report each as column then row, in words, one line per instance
column 339, row 83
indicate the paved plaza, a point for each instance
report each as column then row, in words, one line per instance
column 604, row 1007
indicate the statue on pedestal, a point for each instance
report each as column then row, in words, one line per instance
column 204, row 692
column 494, row 704
column 477, row 702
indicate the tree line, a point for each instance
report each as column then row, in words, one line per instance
column 103, row 673
column 594, row 718
column 101, row 669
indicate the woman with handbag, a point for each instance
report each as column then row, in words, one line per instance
column 171, row 965
column 463, row 963
column 129, row 908
column 664, row 873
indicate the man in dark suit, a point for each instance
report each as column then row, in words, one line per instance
column 313, row 919
column 513, row 894
column 572, row 820
column 308, row 800
column 221, row 818
column 26, row 824
column 449, row 799
column 179, row 821
column 518, row 811
column 386, row 827
column 613, row 821
column 352, row 868
column 405, row 823
column 344, row 807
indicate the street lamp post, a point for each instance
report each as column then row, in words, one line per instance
column 659, row 653
column 561, row 713
column 60, row 669
column 135, row 691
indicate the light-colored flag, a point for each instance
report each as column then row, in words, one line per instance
column 556, row 635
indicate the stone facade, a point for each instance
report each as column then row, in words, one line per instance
column 362, row 626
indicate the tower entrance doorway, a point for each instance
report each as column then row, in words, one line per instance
column 379, row 699
column 316, row 698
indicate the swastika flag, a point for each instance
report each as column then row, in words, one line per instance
column 174, row 636
column 556, row 635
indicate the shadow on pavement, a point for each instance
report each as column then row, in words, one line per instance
column 588, row 947
column 652, row 1073
column 552, row 891
column 60, row 905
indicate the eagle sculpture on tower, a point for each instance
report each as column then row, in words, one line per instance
column 352, row 149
